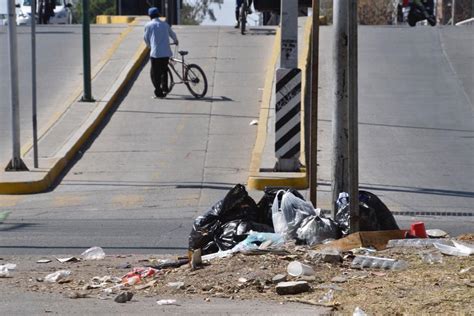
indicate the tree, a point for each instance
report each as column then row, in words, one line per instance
column 194, row 12
column 96, row 7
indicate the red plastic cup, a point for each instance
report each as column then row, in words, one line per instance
column 418, row 229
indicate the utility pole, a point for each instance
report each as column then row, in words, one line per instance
column 340, row 133
column 86, row 52
column 33, row 84
column 313, row 112
column 353, row 118
column 288, row 92
column 15, row 164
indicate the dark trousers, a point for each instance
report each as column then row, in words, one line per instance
column 159, row 75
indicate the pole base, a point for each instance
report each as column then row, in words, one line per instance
column 16, row 165
column 84, row 99
column 287, row 165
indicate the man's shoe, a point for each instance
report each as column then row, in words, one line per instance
column 237, row 25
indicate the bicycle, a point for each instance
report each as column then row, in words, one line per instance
column 191, row 75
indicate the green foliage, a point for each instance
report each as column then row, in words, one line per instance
column 96, row 7
column 194, row 12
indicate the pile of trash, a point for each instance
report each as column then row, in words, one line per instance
column 281, row 248
column 285, row 213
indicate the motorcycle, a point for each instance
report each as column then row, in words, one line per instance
column 417, row 13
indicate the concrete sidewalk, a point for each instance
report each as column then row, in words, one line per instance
column 61, row 138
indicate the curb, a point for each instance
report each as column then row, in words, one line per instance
column 46, row 177
column 258, row 180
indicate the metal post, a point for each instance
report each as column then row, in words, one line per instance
column 313, row 139
column 16, row 164
column 353, row 118
column 178, row 12
column 453, row 11
column 340, row 181
column 288, row 92
column 86, row 51
column 33, row 83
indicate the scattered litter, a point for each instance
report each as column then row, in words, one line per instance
column 123, row 297
column 452, row 251
column 431, row 257
column 418, row 230
column 416, row 242
column 279, row 278
column 375, row 239
column 361, row 262
column 176, row 285
column 145, row 286
column 253, row 122
column 43, row 261
column 296, row 287
column 363, row 251
column 219, row 254
column 166, row 264
column 68, row 259
column 297, row 268
column 75, row 295
column 94, row 253
column 57, row 276
column 137, row 274
column 328, row 297
column 436, row 233
column 466, row 270
column 358, row 312
column 328, row 255
column 339, row 279
column 166, row 302
column 257, row 241
column 465, row 247
column 196, row 258
column 123, row 266
column 5, row 270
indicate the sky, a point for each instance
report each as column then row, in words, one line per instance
column 226, row 14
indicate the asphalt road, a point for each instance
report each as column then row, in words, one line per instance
column 158, row 164
column 59, row 72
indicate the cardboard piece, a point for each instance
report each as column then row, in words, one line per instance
column 374, row 239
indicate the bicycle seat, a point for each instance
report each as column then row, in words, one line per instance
column 183, row 52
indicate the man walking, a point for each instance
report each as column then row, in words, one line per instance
column 156, row 37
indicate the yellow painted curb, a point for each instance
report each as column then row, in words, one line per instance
column 259, row 180
column 68, row 152
column 114, row 19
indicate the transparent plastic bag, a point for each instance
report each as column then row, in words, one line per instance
column 56, row 276
column 288, row 212
column 94, row 253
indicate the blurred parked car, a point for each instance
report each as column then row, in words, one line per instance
column 62, row 11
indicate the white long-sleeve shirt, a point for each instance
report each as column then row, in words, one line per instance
column 157, row 34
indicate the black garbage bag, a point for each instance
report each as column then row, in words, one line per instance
column 266, row 202
column 207, row 228
column 231, row 233
column 374, row 214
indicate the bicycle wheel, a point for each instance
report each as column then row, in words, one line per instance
column 195, row 80
column 170, row 80
column 243, row 16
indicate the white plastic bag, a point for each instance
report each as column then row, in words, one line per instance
column 94, row 253
column 5, row 270
column 289, row 213
column 56, row 276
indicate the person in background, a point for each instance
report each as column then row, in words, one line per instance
column 238, row 4
column 157, row 34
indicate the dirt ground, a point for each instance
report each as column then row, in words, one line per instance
column 440, row 288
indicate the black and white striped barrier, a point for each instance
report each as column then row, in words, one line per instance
column 288, row 118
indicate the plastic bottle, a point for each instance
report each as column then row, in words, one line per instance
column 416, row 242
column 370, row 262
